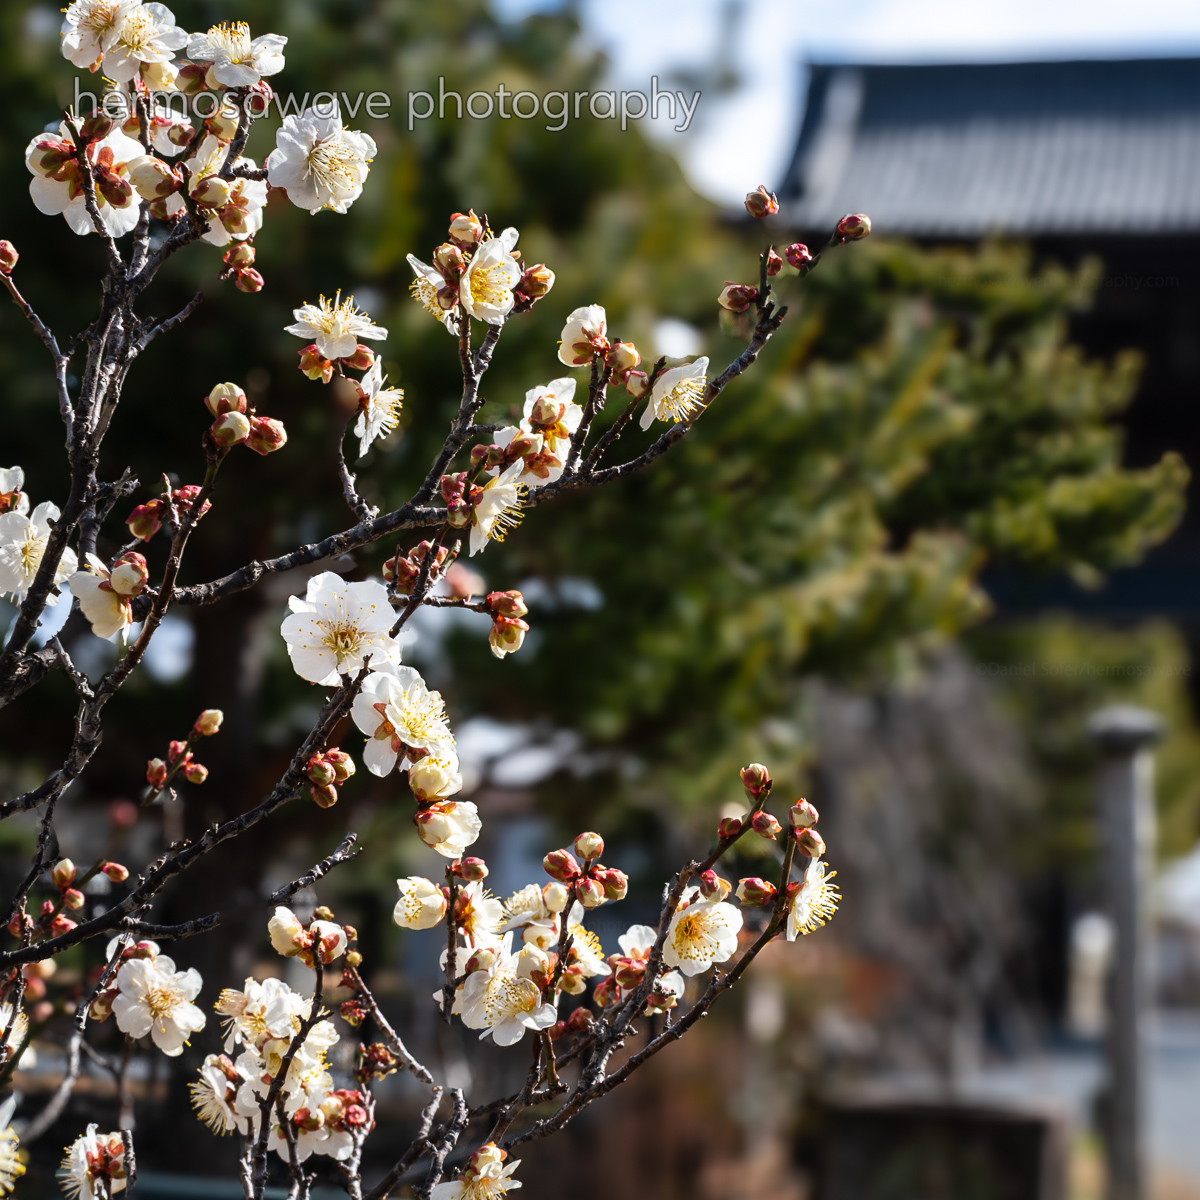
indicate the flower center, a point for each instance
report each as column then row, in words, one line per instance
column 484, row 1189
column 98, row 17
column 332, row 164
column 683, row 398
column 233, row 40
column 693, row 938
column 425, row 294
column 32, row 549
column 508, row 996
column 489, row 285
column 162, row 1000
column 139, row 30
column 421, row 716
column 508, row 517
column 344, row 639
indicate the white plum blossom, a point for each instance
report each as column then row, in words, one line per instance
column 486, row 287
column 337, row 627
column 262, row 1010
column 378, row 407
column 396, row 710
column 703, row 933
column 336, row 326
column 108, row 612
column 214, row 1093
column 90, row 1158
column 676, row 394
column 147, row 33
column 236, row 59
column 449, row 827
column 551, row 418
column 636, row 943
column 585, row 332
column 502, row 1002
column 22, row 543
column 478, row 915
column 431, row 291
column 587, row 952
column 499, row 507
column 60, row 191
column 815, row 902
column 489, row 1181
column 241, row 216
column 435, row 775
column 422, row 905
column 320, row 163
column 288, row 936
column 89, row 27
column 153, row 998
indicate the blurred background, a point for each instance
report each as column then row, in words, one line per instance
column 902, row 562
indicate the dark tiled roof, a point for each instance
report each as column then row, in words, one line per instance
column 1033, row 148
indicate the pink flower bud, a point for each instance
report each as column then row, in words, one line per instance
column 190, row 80
column 561, row 865
column 774, row 263
column 8, row 257
column 448, row 259
column 607, row 993
column 507, row 635
column 465, row 228
column 362, row 359
column 314, row 366
column 129, row 574
column 622, row 358
column 800, row 257
column 482, row 960
column 248, row 280
column 853, row 226
column 230, row 429
column 97, row 127
column 73, row 898
column 765, row 825
column 146, row 520
column 177, row 750
column 258, row 99
column 403, row 573
column 629, row 972
column 115, row 871
column 210, row 191
column 729, row 827
column 471, row 869
column 810, row 843
column 60, row 925
column 266, row 435
column 615, row 883
column 637, row 384
column 755, row 892
column 325, row 795
column 226, row 398
column 761, row 203
column 343, row 764
column 580, row 1020
column 737, row 297
column 557, row 1030
column 208, row 722
column 802, row 815
column 589, row 846
column 713, row 887
column 63, row 873
column 320, row 771
column 756, row 779
column 507, row 604
column 535, row 282
column 239, row 256
column 195, row 772
column 589, row 893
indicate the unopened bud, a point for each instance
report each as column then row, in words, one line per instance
column 629, row 972
column 737, row 297
column 853, row 226
column 482, row 960
column 729, row 827
column 765, row 825
column 208, row 722
column 96, row 127
column 555, row 897
column 325, row 795
column 465, row 228
column 557, row 1030
column 755, row 892
column 761, row 203
column 115, row 871
column 535, row 282
column 152, row 179
column 8, row 257
column 248, row 280
column 800, row 257
column 471, row 869
column 63, row 873
column 756, row 779
column 580, row 1020
column 713, row 887
column 222, row 126
column 623, row 358
column 61, row 925
column 589, row 846
column 343, row 764
column 615, row 883
column 313, row 365
column 589, row 893
column 321, row 771
column 507, row 635
column 226, row 398
column 266, row 435
column 802, row 815
column 448, row 259
column 561, row 865
column 130, row 574
column 353, row 958
column 195, row 772
column 607, row 993
column 210, row 191
column 146, row 519
column 507, row 604
column 637, row 384
column 239, row 256
column 230, row 429
column 810, row 843
column 72, row 898
column 190, row 80
column 101, row 1008
column 774, row 262
column 363, row 358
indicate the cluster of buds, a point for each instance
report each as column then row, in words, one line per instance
column 56, row 158
column 508, row 631
column 461, row 496
column 852, row 227
column 327, row 771
column 375, row 1061
column 760, row 203
column 239, row 260
column 102, row 1003
column 737, row 297
column 63, row 875
column 755, row 892
column 342, row 1110
column 180, row 760
column 235, row 422
column 803, row 817
column 171, row 507
column 321, row 940
column 579, row 1022
column 402, row 573
column 314, row 365
column 592, row 882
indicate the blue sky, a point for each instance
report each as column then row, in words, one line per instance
column 733, row 146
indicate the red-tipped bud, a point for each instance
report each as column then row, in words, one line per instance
column 629, row 972
column 208, row 722
column 63, row 873
column 156, row 772
column 266, row 435
column 177, row 750
column 637, row 384
column 755, row 892
column 72, row 898
column 195, row 772
column 313, row 365
column 115, row 871
column 97, row 127
column 471, row 869
column 248, row 280
column 853, row 226
column 737, row 297
column 507, row 635
column 507, row 604
column 729, row 827
column 482, row 960
column 146, row 520
column 60, row 925
column 321, row 771
column 765, row 825
column 325, row 795
column 465, row 228
column 615, row 883
column 607, row 993
column 230, row 429
column 448, row 259
column 589, row 845
column 761, row 203
column 802, row 815
column 774, row 262
column 622, row 358
column 8, row 257
column 713, row 887
column 557, row 1030
column 580, row 1020
column 130, row 574
column 561, row 865
column 810, row 843
column 239, row 256
column 403, row 572
column 756, row 779
column 343, row 764
column 800, row 257
column 363, row 358
column 589, row 893
column 535, row 282
column 190, row 80
column 226, row 398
